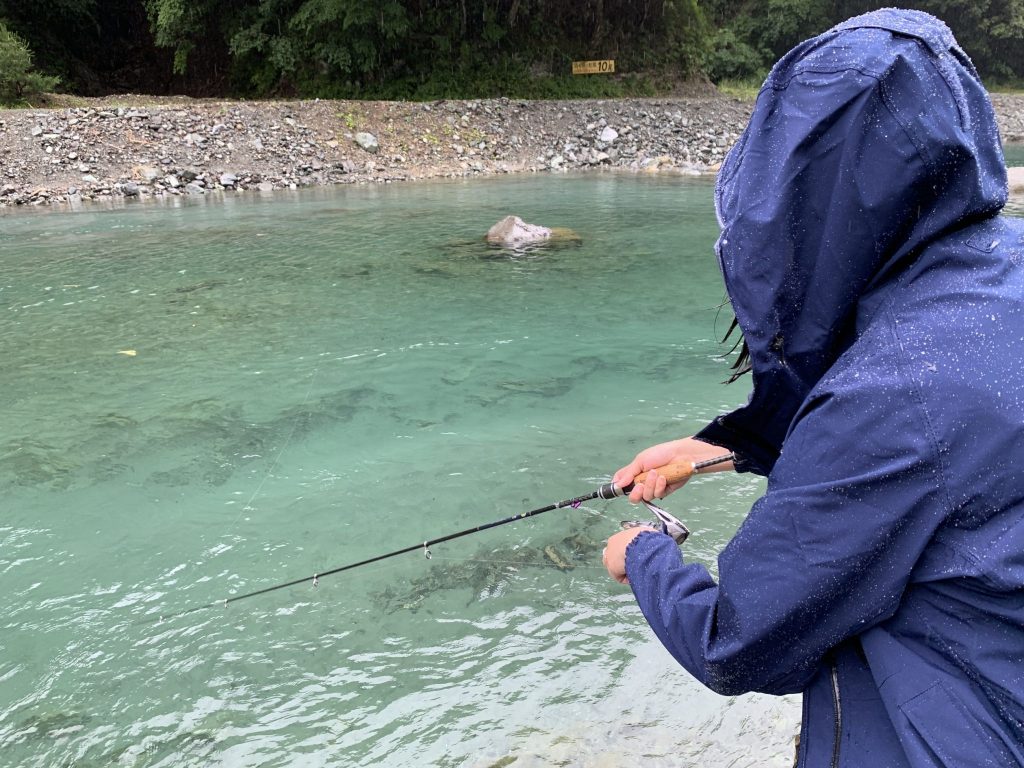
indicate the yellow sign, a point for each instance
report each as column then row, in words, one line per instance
column 605, row 67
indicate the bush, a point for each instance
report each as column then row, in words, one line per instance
column 17, row 83
column 732, row 58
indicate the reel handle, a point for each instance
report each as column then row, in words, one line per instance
column 664, row 521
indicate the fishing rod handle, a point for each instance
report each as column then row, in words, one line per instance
column 676, row 472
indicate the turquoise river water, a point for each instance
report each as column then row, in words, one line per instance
column 208, row 398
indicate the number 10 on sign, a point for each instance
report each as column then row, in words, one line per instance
column 604, row 67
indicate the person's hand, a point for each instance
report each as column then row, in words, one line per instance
column 614, row 555
column 654, row 485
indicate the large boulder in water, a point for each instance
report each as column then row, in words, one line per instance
column 514, row 231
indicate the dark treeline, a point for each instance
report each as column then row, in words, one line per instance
column 440, row 48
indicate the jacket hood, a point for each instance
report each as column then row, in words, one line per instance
column 866, row 144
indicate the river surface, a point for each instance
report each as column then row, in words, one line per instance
column 205, row 399
column 1014, row 154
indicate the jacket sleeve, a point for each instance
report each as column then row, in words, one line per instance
column 825, row 554
column 752, row 454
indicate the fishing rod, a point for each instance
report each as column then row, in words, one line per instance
column 667, row 523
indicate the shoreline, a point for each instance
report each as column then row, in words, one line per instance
column 142, row 147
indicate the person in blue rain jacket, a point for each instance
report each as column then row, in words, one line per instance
column 880, row 294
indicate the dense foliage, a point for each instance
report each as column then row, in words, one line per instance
column 750, row 36
column 450, row 48
column 426, row 48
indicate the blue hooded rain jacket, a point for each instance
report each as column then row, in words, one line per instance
column 881, row 295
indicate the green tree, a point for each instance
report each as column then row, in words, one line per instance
column 427, row 48
column 990, row 31
column 17, row 80
column 446, row 48
column 751, row 36
column 54, row 31
column 186, row 26
column 312, row 43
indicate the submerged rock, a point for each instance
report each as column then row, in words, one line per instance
column 515, row 233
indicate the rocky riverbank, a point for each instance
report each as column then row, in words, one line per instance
column 134, row 147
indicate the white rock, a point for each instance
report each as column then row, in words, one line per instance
column 512, row 229
column 1015, row 176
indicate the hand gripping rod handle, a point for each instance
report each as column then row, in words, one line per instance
column 674, row 473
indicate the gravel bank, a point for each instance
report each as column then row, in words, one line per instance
column 135, row 147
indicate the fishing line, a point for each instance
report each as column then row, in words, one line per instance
column 669, row 525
